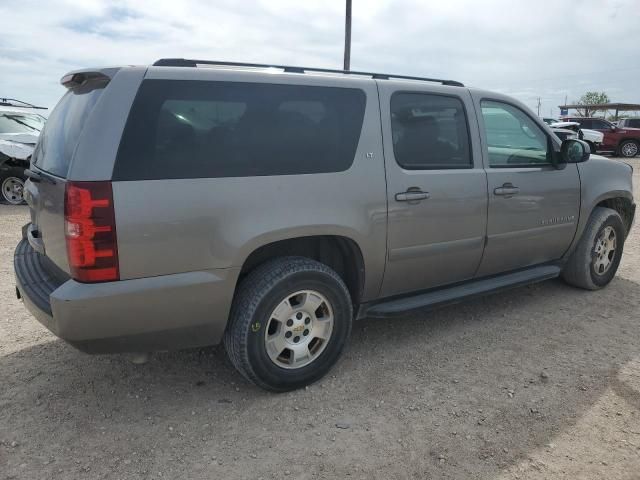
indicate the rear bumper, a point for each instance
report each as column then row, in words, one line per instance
column 157, row 313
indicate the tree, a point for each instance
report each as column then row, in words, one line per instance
column 591, row 98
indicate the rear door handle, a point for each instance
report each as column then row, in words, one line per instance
column 507, row 190
column 412, row 196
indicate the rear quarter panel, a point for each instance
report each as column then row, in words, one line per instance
column 181, row 225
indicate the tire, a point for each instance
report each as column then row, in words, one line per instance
column 12, row 186
column 292, row 286
column 585, row 267
column 592, row 147
column 629, row 148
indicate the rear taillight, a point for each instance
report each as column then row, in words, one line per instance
column 90, row 231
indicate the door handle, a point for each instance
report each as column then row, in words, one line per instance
column 412, row 196
column 507, row 190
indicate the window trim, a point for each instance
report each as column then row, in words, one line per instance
column 471, row 165
column 550, row 143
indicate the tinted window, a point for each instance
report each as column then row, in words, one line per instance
column 197, row 129
column 513, row 138
column 585, row 123
column 632, row 123
column 59, row 137
column 599, row 125
column 429, row 132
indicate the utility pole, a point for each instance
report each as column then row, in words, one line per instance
column 538, row 106
column 347, row 37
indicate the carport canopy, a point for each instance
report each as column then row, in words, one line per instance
column 590, row 108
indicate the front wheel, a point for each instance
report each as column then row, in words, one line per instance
column 594, row 262
column 12, row 185
column 629, row 148
column 289, row 323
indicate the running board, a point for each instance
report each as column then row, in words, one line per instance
column 458, row 293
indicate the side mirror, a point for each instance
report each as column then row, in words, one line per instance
column 575, row 151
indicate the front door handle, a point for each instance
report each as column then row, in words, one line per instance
column 412, row 196
column 507, row 190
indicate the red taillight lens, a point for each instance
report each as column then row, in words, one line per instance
column 90, row 230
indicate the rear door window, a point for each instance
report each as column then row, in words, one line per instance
column 429, row 131
column 202, row 129
column 60, row 134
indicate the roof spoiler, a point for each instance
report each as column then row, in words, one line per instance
column 79, row 78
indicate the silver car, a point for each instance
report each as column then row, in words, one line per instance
column 191, row 202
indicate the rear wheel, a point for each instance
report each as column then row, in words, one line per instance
column 592, row 147
column 289, row 323
column 12, row 186
column 629, row 148
column 595, row 260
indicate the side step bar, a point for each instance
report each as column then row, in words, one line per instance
column 458, row 293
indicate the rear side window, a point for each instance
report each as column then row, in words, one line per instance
column 60, row 135
column 429, row 132
column 200, row 129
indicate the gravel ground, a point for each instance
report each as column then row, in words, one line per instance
column 539, row 382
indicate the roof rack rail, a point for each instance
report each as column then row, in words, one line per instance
column 186, row 62
column 12, row 102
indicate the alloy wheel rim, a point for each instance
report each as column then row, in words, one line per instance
column 299, row 329
column 604, row 250
column 13, row 190
column 629, row 149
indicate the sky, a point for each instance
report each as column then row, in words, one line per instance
column 524, row 48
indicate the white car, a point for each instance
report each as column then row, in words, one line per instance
column 592, row 137
column 19, row 131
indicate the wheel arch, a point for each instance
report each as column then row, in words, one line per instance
column 621, row 204
column 341, row 253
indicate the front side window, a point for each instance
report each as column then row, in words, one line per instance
column 203, row 129
column 600, row 125
column 429, row 132
column 513, row 138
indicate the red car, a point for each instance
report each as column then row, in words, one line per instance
column 621, row 141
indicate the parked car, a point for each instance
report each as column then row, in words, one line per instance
column 550, row 121
column 308, row 198
column 628, row 123
column 619, row 140
column 592, row 137
column 19, row 131
column 565, row 133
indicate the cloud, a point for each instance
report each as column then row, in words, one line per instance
column 545, row 49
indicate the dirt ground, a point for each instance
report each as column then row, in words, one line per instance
column 542, row 382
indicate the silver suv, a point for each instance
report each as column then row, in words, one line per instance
column 192, row 202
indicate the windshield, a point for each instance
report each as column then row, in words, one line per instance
column 16, row 122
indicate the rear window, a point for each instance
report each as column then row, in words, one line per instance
column 198, row 129
column 16, row 122
column 59, row 137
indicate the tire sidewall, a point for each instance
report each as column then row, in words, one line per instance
column 279, row 378
column 602, row 280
